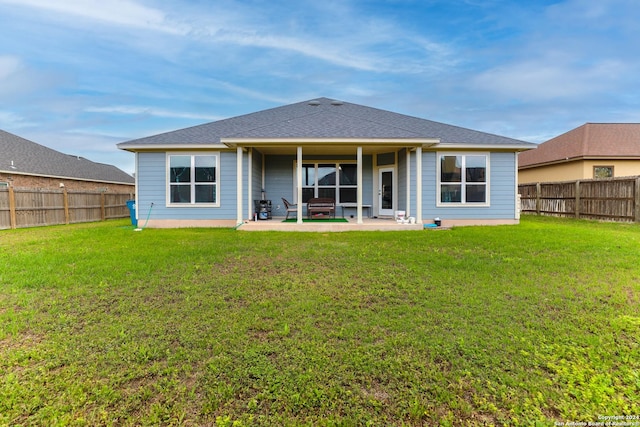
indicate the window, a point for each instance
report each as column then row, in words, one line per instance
column 333, row 180
column 193, row 179
column 4, row 185
column 603, row 171
column 463, row 179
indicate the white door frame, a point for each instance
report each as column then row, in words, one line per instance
column 394, row 191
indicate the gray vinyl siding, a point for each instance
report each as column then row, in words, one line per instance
column 279, row 181
column 402, row 180
column 256, row 179
column 367, row 178
column 228, row 187
column 503, row 184
column 427, row 182
column 152, row 184
column 502, row 190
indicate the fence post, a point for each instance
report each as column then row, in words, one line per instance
column 102, row 207
column 12, row 209
column 636, row 207
column 65, row 203
column 538, row 202
column 577, row 202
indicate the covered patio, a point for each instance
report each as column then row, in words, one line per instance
column 299, row 149
column 351, row 224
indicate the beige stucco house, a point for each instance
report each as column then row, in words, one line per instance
column 593, row 150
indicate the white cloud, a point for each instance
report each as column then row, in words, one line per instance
column 117, row 12
column 9, row 65
column 9, row 120
column 338, row 35
column 561, row 67
column 18, row 80
column 320, row 50
column 150, row 111
column 355, row 48
column 342, row 38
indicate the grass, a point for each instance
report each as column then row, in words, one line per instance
column 509, row 325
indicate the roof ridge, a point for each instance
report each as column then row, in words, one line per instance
column 585, row 139
column 269, row 124
column 323, row 108
column 379, row 122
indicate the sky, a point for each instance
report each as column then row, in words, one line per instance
column 80, row 76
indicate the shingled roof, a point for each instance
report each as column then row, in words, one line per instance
column 589, row 141
column 323, row 118
column 21, row 156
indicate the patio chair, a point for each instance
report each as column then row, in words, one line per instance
column 289, row 207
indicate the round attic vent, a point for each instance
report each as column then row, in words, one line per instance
column 314, row 103
column 335, row 102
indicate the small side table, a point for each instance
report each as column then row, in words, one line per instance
column 355, row 206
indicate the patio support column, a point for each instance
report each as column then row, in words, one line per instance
column 359, row 188
column 419, row 185
column 299, row 185
column 408, row 204
column 249, row 181
column 238, row 185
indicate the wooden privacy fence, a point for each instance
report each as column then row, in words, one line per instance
column 30, row 208
column 614, row 199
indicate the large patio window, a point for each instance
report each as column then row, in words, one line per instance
column 193, row 179
column 463, row 179
column 337, row 181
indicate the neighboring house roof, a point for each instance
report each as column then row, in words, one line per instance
column 589, row 141
column 21, row 156
column 324, row 118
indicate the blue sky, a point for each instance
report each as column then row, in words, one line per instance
column 79, row 76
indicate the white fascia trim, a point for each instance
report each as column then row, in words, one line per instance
column 418, row 142
column 171, row 147
column 492, row 147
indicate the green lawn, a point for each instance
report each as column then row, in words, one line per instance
column 508, row 325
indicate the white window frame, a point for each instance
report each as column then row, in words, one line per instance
column 4, row 184
column 337, row 186
column 463, row 203
column 192, row 182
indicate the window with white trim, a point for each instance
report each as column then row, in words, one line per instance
column 338, row 181
column 192, row 179
column 463, row 179
column 4, row 185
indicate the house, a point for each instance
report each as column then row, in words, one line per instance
column 26, row 164
column 593, row 150
column 370, row 161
